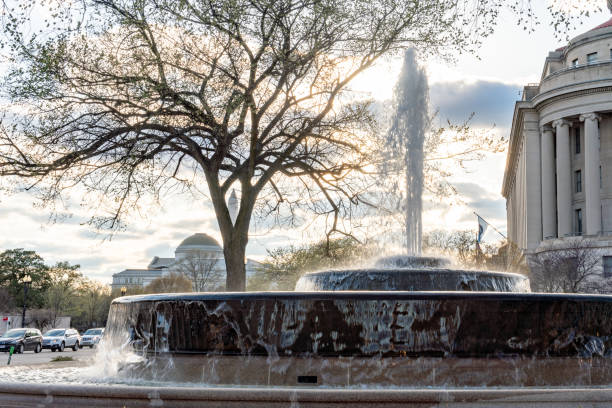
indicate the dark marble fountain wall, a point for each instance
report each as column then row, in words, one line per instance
column 411, row 323
column 369, row 324
column 372, row 338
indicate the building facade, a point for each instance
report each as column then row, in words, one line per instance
column 558, row 177
column 198, row 250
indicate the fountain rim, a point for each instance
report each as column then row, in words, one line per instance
column 361, row 295
column 103, row 394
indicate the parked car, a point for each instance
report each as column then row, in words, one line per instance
column 58, row 339
column 22, row 340
column 92, row 337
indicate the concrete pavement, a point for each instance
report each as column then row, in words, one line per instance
column 45, row 356
column 70, row 396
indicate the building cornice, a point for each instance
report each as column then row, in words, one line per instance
column 543, row 103
column 585, row 38
column 516, row 139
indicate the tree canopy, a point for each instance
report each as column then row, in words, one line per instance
column 15, row 264
column 284, row 266
column 123, row 98
column 172, row 283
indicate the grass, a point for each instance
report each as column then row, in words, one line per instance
column 62, row 358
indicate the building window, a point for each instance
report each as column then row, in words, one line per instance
column 578, row 177
column 591, row 58
column 575, row 62
column 607, row 266
column 577, row 140
column 579, row 222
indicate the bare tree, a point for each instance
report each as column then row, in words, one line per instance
column 171, row 283
column 510, row 258
column 40, row 318
column 567, row 267
column 60, row 296
column 202, row 269
column 284, row 266
column 129, row 97
column 95, row 298
column 459, row 245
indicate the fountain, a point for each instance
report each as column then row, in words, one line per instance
column 380, row 327
column 380, row 336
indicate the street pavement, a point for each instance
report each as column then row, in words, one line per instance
column 45, row 356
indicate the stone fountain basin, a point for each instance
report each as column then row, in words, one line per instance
column 368, row 324
column 413, row 279
column 370, row 339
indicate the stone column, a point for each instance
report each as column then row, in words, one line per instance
column 592, row 197
column 549, row 191
column 564, row 179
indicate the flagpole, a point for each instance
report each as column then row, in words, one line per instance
column 495, row 229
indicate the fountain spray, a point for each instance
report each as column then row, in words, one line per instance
column 405, row 141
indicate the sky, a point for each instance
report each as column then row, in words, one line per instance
column 487, row 85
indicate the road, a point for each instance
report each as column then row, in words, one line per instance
column 45, row 356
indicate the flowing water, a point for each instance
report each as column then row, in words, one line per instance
column 405, row 141
column 430, row 279
column 347, row 338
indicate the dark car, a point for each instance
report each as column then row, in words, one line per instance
column 22, row 340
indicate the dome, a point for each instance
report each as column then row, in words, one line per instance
column 199, row 239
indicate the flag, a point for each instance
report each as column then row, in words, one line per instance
column 482, row 228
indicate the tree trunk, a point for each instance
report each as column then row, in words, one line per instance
column 234, row 252
column 235, row 234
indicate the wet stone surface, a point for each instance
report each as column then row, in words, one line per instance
column 412, row 279
column 396, row 326
column 372, row 324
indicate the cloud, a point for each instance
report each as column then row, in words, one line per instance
column 491, row 206
column 491, row 102
column 199, row 224
column 116, row 236
column 163, row 250
column 473, row 191
column 91, row 262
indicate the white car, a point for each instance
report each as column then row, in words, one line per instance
column 58, row 339
column 92, row 337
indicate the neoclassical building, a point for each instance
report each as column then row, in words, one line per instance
column 558, row 176
column 201, row 244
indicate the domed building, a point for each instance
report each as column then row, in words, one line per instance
column 199, row 257
column 198, row 242
column 558, row 177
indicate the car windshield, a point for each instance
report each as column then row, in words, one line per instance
column 55, row 332
column 94, row 331
column 14, row 333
